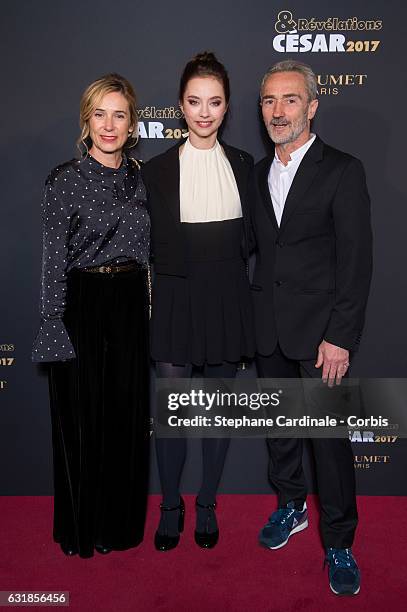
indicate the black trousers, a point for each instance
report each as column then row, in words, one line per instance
column 333, row 462
column 100, row 413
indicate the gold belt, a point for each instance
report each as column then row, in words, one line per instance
column 113, row 269
column 124, row 268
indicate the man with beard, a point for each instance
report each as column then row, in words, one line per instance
column 311, row 220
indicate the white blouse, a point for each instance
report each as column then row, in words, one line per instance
column 208, row 189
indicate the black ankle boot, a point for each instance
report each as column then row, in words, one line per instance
column 163, row 541
column 206, row 539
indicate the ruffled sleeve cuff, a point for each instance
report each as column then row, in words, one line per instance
column 52, row 342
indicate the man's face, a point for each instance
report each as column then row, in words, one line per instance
column 287, row 113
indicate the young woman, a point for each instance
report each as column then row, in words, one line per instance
column 201, row 316
column 94, row 308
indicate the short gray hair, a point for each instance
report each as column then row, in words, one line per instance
column 294, row 66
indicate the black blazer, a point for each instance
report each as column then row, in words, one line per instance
column 161, row 177
column 312, row 274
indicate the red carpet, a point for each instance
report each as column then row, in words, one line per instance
column 237, row 576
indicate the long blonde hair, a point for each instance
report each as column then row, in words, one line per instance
column 90, row 100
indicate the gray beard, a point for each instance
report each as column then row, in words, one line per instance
column 296, row 129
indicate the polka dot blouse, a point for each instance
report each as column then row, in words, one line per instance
column 92, row 216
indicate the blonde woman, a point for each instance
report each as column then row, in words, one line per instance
column 94, row 330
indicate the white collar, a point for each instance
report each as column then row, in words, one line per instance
column 299, row 153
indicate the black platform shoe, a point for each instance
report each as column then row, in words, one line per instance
column 206, row 539
column 103, row 550
column 164, row 541
column 68, row 549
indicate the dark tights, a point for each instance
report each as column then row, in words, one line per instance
column 171, row 452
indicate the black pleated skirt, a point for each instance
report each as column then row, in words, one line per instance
column 100, row 413
column 206, row 317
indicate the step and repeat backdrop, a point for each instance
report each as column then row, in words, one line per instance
column 52, row 50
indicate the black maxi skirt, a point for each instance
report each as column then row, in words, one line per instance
column 100, row 413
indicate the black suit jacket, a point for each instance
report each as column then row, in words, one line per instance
column 161, row 177
column 312, row 274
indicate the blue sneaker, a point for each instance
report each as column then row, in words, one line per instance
column 282, row 524
column 344, row 574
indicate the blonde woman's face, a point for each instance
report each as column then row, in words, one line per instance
column 109, row 125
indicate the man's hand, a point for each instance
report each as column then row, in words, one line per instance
column 335, row 362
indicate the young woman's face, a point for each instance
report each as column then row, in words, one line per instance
column 204, row 106
column 110, row 124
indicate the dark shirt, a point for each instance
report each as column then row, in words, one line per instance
column 92, row 216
